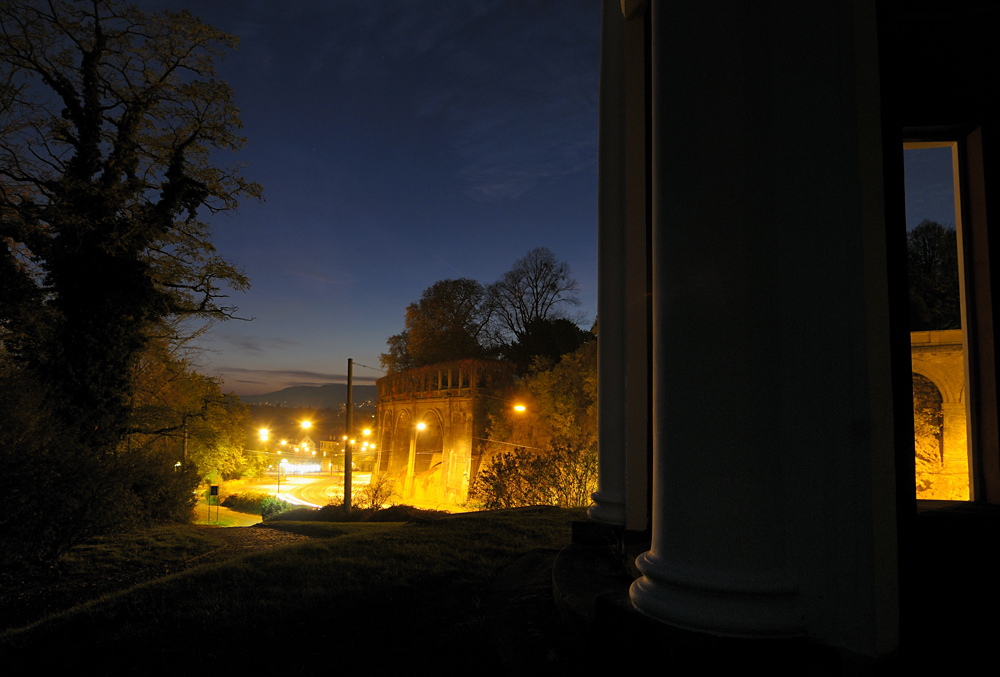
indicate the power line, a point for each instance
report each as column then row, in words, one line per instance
column 524, row 446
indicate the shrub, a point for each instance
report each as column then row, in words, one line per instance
column 272, row 505
column 561, row 475
column 256, row 503
column 377, row 492
column 59, row 491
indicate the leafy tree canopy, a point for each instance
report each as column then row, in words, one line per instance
column 519, row 317
column 108, row 120
column 447, row 323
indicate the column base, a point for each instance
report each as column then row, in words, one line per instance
column 731, row 604
column 606, row 510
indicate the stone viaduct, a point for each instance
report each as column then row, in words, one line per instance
column 437, row 463
column 938, row 356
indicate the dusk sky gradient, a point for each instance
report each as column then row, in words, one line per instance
column 398, row 143
column 401, row 142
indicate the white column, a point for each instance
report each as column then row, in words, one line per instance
column 609, row 499
column 773, row 508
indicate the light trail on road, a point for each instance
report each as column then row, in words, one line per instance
column 317, row 491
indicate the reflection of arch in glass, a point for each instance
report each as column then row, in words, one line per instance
column 429, row 442
column 928, row 424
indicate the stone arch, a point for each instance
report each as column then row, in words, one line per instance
column 430, row 441
column 400, row 438
column 386, row 440
column 928, row 422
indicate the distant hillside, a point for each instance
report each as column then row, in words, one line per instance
column 332, row 395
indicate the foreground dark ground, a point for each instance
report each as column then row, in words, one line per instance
column 425, row 595
column 469, row 592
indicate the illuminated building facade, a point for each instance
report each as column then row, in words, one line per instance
column 431, row 421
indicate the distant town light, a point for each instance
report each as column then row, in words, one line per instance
column 263, row 434
column 306, row 424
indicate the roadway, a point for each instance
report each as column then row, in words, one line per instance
column 317, row 490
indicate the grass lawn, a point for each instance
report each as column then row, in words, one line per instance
column 365, row 596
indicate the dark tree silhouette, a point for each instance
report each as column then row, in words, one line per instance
column 537, row 287
column 447, row 323
column 108, row 117
column 933, row 270
column 108, row 120
column 546, row 339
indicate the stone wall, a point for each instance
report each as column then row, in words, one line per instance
column 938, row 360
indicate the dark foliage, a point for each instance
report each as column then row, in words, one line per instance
column 447, row 323
column 560, row 475
column 256, row 503
column 337, row 513
column 547, row 339
column 933, row 270
column 519, row 317
column 108, row 118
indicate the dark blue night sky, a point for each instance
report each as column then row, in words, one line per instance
column 401, row 142
column 398, row 143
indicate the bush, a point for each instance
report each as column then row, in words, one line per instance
column 336, row 513
column 58, row 491
column 561, row 475
column 256, row 503
column 377, row 492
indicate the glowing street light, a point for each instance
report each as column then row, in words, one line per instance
column 519, row 408
column 421, row 425
column 306, row 424
column 263, row 434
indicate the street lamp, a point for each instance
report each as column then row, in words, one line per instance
column 519, row 408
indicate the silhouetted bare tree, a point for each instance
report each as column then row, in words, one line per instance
column 537, row 287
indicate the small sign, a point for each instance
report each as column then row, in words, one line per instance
column 213, row 490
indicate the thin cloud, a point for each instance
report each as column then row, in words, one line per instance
column 292, row 377
column 257, row 344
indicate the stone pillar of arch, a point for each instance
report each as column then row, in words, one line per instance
column 956, row 448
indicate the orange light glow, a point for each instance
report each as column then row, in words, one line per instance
column 519, row 407
column 306, row 424
column 421, row 425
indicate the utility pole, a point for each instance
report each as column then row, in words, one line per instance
column 348, row 456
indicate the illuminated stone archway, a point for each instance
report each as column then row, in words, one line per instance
column 449, row 400
column 939, row 357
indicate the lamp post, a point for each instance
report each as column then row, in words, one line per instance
column 348, row 429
